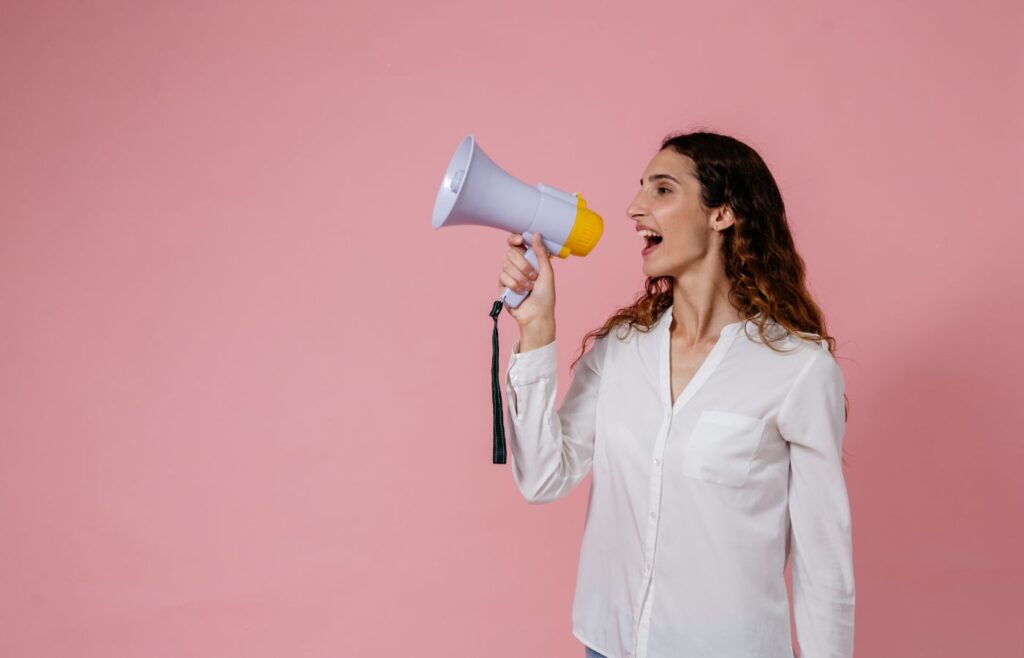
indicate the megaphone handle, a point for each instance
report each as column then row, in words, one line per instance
column 513, row 299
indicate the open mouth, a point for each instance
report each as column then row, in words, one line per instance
column 651, row 241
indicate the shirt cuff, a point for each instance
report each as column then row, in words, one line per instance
column 532, row 365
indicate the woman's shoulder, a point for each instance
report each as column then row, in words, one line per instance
column 785, row 352
column 781, row 337
column 815, row 355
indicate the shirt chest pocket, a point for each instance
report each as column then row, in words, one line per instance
column 722, row 447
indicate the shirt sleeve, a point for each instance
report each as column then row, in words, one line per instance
column 811, row 419
column 551, row 451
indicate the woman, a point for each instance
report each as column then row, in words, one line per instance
column 712, row 418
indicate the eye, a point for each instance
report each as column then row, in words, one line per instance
column 664, row 188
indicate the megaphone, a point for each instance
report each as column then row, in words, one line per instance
column 477, row 191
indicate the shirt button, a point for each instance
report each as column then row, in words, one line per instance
column 657, row 461
column 652, row 515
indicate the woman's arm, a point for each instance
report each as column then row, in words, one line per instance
column 551, row 451
column 812, row 420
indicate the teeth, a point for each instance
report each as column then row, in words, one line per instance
column 648, row 234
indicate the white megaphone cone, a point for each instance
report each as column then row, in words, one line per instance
column 477, row 191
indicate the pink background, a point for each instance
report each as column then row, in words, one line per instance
column 244, row 387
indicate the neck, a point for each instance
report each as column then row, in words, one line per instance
column 700, row 309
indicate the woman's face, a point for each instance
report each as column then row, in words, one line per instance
column 668, row 203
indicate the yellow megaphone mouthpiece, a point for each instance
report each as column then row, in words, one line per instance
column 586, row 230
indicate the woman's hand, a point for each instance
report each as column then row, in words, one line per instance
column 538, row 309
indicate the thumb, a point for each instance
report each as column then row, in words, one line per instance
column 543, row 258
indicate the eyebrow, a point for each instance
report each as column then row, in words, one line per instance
column 654, row 177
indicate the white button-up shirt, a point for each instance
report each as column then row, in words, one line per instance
column 695, row 506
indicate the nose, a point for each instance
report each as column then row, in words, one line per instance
column 636, row 208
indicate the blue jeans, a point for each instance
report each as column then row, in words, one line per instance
column 593, row 654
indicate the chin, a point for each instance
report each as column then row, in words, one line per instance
column 655, row 271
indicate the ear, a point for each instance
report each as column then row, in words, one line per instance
column 724, row 219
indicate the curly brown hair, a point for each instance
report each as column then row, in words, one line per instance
column 766, row 273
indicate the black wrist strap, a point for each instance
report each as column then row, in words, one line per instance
column 499, row 416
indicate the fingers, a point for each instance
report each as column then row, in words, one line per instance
column 518, row 274
column 517, row 259
column 514, row 280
